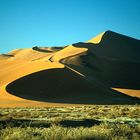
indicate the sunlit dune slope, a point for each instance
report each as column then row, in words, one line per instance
column 96, row 39
column 104, row 70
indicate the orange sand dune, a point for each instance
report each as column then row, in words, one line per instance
column 104, row 70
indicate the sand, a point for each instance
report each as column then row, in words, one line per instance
column 103, row 70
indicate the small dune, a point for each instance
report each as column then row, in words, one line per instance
column 47, row 49
column 5, row 56
column 103, row 70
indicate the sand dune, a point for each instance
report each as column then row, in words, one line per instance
column 104, row 70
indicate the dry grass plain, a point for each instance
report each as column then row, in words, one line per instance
column 95, row 122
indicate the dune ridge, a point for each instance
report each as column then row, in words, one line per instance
column 103, row 70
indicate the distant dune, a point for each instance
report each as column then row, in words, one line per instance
column 103, row 70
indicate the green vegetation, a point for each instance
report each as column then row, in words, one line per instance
column 71, row 123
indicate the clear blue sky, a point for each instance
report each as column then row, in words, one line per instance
column 27, row 23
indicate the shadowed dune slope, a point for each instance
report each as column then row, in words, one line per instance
column 65, row 86
column 114, row 62
column 104, row 70
column 115, row 46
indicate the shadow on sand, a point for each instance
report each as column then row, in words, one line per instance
column 65, row 86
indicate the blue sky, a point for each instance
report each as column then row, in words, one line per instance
column 27, row 23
